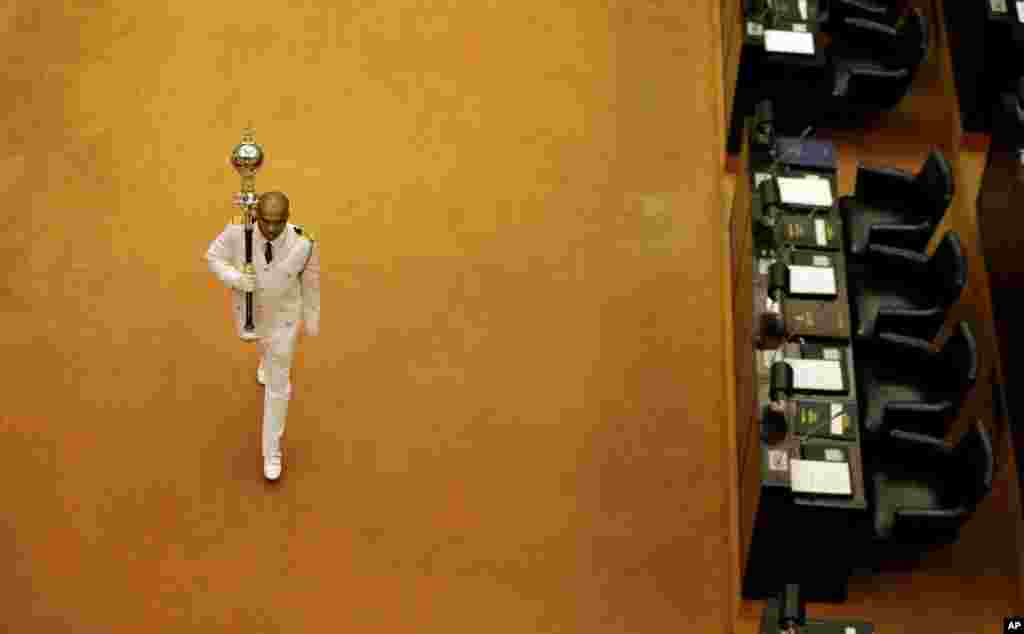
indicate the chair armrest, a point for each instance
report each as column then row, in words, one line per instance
column 905, row 344
column 895, row 257
column 929, row 525
column 955, row 512
column 867, row 32
column 921, row 324
column 866, row 6
column 863, row 39
column 922, row 444
column 883, row 183
column 916, row 421
column 905, row 236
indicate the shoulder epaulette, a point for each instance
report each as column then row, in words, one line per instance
column 304, row 233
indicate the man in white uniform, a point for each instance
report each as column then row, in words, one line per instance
column 286, row 290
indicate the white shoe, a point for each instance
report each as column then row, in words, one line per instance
column 260, row 376
column 272, row 467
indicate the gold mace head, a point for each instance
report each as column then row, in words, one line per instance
column 247, row 156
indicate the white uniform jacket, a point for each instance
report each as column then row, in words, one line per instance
column 287, row 288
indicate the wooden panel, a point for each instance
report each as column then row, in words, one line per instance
column 743, row 314
column 732, row 43
column 745, row 380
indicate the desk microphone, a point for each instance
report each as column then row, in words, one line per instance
column 773, row 322
column 764, row 125
column 787, row 612
column 771, row 205
column 792, row 612
column 774, row 425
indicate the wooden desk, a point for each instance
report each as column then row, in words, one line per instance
column 762, row 75
column 786, row 538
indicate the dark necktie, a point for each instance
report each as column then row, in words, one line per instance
column 269, row 253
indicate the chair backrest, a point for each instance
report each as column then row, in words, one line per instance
column 958, row 361
column 974, row 454
column 935, row 183
column 947, row 269
column 914, row 41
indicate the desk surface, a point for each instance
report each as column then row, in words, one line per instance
column 776, row 455
column 1004, row 11
column 792, row 15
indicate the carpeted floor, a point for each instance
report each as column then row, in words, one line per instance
column 511, row 421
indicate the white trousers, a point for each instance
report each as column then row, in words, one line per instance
column 278, row 349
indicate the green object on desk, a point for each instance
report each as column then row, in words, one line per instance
column 824, row 453
column 823, row 418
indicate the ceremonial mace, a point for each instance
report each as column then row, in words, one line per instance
column 247, row 158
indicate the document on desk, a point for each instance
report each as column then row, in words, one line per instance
column 820, row 477
column 817, row 374
column 816, row 192
column 776, row 41
column 812, row 280
column 819, row 232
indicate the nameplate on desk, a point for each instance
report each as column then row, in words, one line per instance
column 812, row 280
column 819, row 477
column 814, row 192
column 819, row 375
column 776, row 41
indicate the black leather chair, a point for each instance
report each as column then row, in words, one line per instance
column 906, row 384
column 923, row 490
column 905, row 292
column 886, row 12
column 872, row 64
column 893, row 208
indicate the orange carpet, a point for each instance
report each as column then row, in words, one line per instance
column 511, row 421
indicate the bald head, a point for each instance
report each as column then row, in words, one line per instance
column 272, row 214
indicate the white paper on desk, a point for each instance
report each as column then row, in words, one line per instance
column 837, row 426
column 816, row 374
column 778, row 460
column 812, row 280
column 818, row 476
column 776, row 41
column 1020, row 11
column 819, row 231
column 816, row 192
